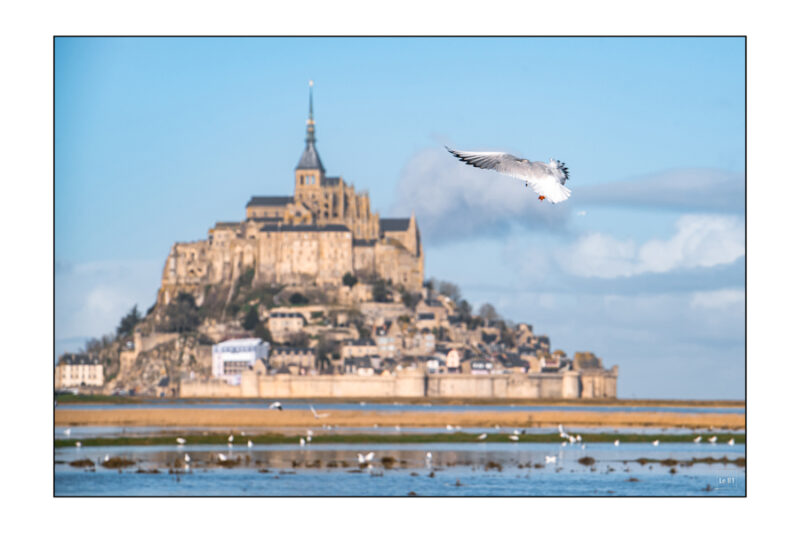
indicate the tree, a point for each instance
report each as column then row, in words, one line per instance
column 299, row 339
column 262, row 333
column 250, row 319
column 380, row 293
column 128, row 322
column 349, row 279
column 411, row 300
column 450, row 290
column 298, row 299
column 464, row 310
column 182, row 314
column 488, row 313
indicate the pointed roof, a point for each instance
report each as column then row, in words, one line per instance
column 310, row 159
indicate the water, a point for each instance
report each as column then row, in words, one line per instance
column 289, row 405
column 460, row 469
column 88, row 432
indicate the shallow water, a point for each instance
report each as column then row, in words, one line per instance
column 86, row 432
column 289, row 405
column 460, row 469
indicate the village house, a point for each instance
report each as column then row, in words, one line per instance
column 289, row 356
column 230, row 358
column 283, row 325
column 78, row 370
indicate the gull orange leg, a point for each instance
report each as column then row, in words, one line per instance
column 541, row 198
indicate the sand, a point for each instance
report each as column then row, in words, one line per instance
column 303, row 418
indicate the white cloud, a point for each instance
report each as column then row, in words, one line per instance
column 718, row 299
column 700, row 241
column 452, row 200
column 92, row 297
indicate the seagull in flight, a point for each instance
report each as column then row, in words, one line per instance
column 547, row 179
column 317, row 415
column 276, row 405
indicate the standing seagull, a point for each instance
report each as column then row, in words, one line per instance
column 547, row 179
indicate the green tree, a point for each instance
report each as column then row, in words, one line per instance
column 182, row 314
column 128, row 322
column 262, row 333
column 250, row 319
column 464, row 310
column 349, row 279
column 298, row 299
column 411, row 300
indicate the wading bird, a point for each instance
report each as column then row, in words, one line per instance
column 547, row 179
column 712, row 440
column 482, row 436
column 317, row 415
column 276, row 405
column 698, row 439
column 181, row 441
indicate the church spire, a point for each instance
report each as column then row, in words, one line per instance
column 310, row 159
column 310, row 122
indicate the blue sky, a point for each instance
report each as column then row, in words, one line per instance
column 157, row 139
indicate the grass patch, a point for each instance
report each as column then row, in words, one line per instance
column 117, row 462
column 81, row 463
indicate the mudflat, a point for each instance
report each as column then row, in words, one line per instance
column 355, row 418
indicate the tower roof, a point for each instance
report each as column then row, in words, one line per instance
column 310, row 159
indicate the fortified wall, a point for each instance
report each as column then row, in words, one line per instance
column 414, row 384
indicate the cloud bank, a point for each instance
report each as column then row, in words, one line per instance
column 689, row 189
column 453, row 201
column 699, row 241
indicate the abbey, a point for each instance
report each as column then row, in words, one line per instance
column 324, row 231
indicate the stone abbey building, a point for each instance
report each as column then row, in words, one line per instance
column 323, row 232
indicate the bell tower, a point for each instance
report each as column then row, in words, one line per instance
column 309, row 172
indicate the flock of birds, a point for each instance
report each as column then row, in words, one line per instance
column 365, row 459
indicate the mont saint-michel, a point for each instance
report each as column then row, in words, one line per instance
column 315, row 295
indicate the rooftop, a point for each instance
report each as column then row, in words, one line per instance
column 270, row 200
column 394, row 224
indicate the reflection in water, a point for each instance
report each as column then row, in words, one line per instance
column 457, row 469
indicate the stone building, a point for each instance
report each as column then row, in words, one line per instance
column 323, row 231
column 78, row 370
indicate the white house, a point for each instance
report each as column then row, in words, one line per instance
column 230, row 358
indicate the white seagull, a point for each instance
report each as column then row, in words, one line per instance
column 249, row 444
column 616, row 442
column 181, row 441
column 449, row 427
column 712, row 440
column 578, row 438
column 549, row 459
column 222, row 457
column 655, row 443
column 515, row 438
column 276, row 405
column 78, row 444
column 365, row 458
column 302, row 441
column 547, row 179
column 731, row 442
column 67, row 432
column 482, row 436
column 186, row 458
column 428, row 459
column 698, row 439
column 317, row 415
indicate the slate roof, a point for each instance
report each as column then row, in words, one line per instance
column 394, row 224
column 329, row 227
column 270, row 200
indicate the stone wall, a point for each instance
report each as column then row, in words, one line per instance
column 415, row 384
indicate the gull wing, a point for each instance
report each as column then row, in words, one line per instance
column 504, row 163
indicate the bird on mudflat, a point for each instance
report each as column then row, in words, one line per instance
column 547, row 179
column 698, row 439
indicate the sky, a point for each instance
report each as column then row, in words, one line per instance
column 157, row 139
